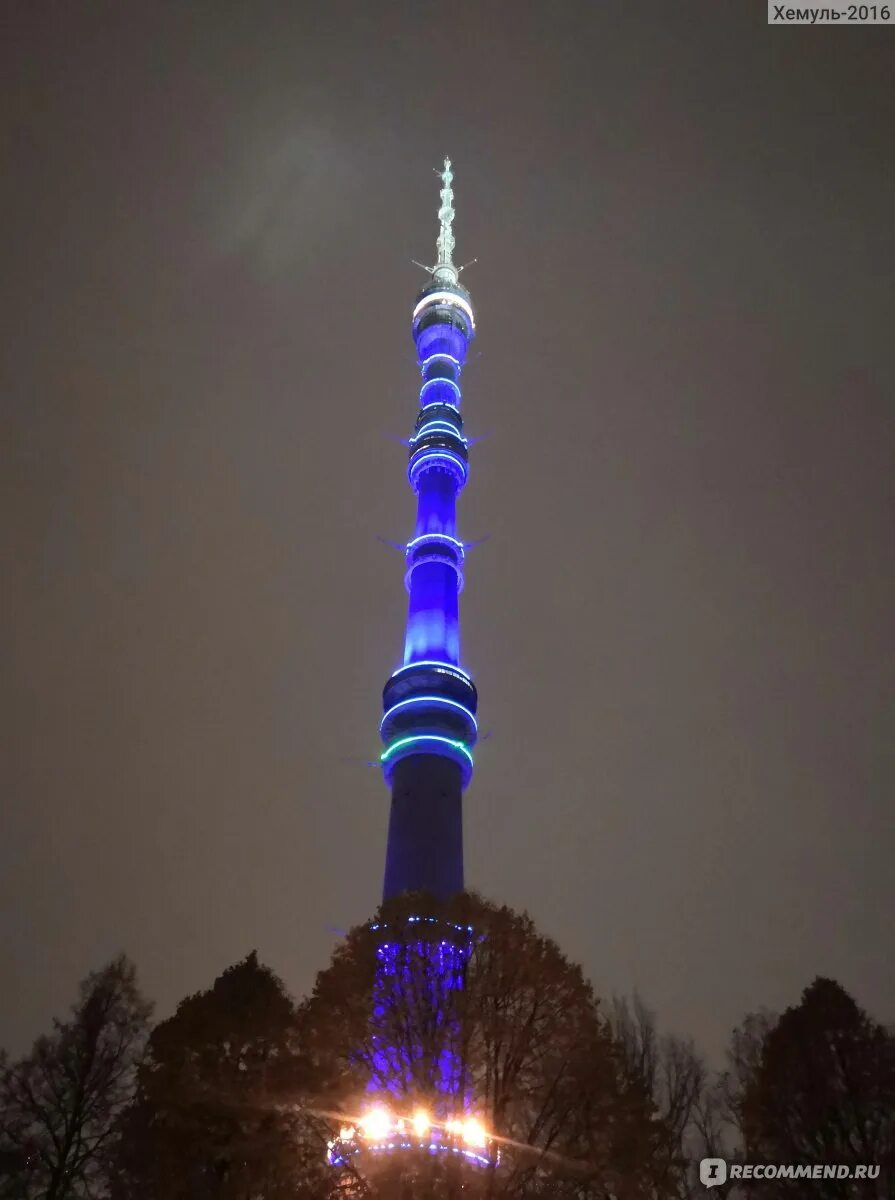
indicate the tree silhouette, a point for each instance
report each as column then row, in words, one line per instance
column 670, row 1070
column 217, row 1110
column 59, row 1106
column 816, row 1086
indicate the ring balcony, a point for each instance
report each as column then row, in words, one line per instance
column 435, row 547
column 444, row 304
column 430, row 678
column 443, row 326
column 438, row 452
column 440, row 390
column 427, row 744
column 435, row 715
column 438, row 414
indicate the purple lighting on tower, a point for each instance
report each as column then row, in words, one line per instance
column 429, row 727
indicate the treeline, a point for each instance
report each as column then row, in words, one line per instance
column 236, row 1095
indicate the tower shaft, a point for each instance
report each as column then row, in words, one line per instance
column 429, row 726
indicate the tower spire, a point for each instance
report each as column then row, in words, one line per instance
column 445, row 271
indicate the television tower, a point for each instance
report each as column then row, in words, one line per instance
column 417, row 1075
column 429, row 727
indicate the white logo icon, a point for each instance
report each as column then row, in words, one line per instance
column 712, row 1171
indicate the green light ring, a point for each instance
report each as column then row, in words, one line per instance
column 462, row 755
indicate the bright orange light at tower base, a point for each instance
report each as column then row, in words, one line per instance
column 376, row 1124
column 474, row 1133
column 421, row 1123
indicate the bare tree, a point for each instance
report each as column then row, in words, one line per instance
column 673, row 1074
column 744, row 1055
column 59, row 1105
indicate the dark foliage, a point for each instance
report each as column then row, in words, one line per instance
column 816, row 1086
column 237, row 1094
column 217, row 1111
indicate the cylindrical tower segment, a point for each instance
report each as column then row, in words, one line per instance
column 429, row 724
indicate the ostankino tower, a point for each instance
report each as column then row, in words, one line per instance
column 429, row 724
column 417, row 1083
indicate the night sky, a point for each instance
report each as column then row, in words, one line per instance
column 681, row 622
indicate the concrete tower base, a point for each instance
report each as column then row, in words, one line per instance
column 425, row 829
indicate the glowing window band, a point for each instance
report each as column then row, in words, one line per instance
column 445, row 298
column 436, row 700
column 417, row 465
column 461, row 747
column 437, row 537
column 450, row 668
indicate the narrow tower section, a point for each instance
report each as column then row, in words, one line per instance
column 429, row 727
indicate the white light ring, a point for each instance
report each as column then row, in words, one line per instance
column 438, row 664
column 417, row 466
column 442, row 354
column 431, row 701
column 445, row 298
column 437, row 426
column 422, row 538
column 441, row 379
column 434, row 558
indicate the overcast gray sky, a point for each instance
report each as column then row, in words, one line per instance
column 681, row 626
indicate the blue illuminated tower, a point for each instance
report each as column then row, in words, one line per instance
column 418, row 1093
column 429, row 728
